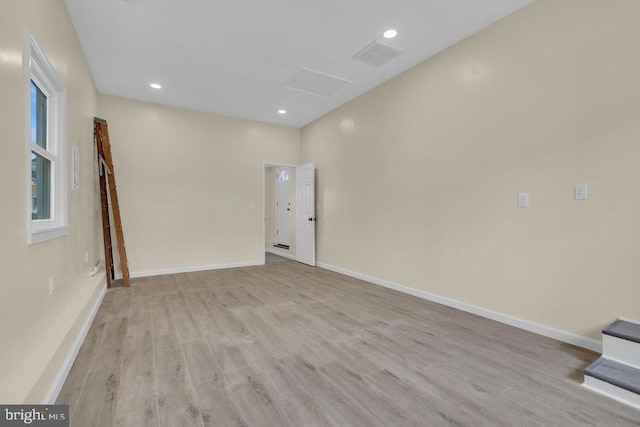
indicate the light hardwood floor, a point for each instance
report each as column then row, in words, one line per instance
column 286, row 344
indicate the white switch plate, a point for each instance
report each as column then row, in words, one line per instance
column 52, row 285
column 580, row 192
column 75, row 168
column 523, row 200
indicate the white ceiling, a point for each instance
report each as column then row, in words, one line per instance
column 232, row 57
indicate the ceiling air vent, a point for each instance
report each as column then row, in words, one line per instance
column 141, row 3
column 377, row 54
column 315, row 83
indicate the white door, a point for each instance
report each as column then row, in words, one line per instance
column 282, row 202
column 305, row 214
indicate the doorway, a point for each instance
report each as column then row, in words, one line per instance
column 283, row 206
column 278, row 208
column 295, row 205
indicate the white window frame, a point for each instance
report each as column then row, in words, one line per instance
column 42, row 72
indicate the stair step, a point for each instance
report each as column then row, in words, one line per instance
column 615, row 373
column 624, row 330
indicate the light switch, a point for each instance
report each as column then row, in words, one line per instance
column 523, row 200
column 580, row 192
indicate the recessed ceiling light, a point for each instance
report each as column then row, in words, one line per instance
column 389, row 34
column 155, row 86
column 282, row 111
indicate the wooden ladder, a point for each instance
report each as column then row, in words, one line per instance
column 108, row 179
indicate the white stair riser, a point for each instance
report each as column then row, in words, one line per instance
column 620, row 350
column 614, row 392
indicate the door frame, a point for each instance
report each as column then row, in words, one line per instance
column 266, row 165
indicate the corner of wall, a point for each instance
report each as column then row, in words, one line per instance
column 42, row 371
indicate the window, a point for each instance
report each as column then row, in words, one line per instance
column 283, row 176
column 47, row 211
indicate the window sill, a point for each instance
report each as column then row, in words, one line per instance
column 45, row 234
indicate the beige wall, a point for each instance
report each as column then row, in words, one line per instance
column 187, row 182
column 37, row 330
column 418, row 178
column 271, row 185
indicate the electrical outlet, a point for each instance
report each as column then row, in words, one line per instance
column 52, row 285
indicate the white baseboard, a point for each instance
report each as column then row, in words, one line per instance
column 282, row 254
column 191, row 269
column 54, row 391
column 537, row 328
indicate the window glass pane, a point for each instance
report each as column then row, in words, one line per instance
column 40, row 187
column 283, row 176
column 38, row 116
